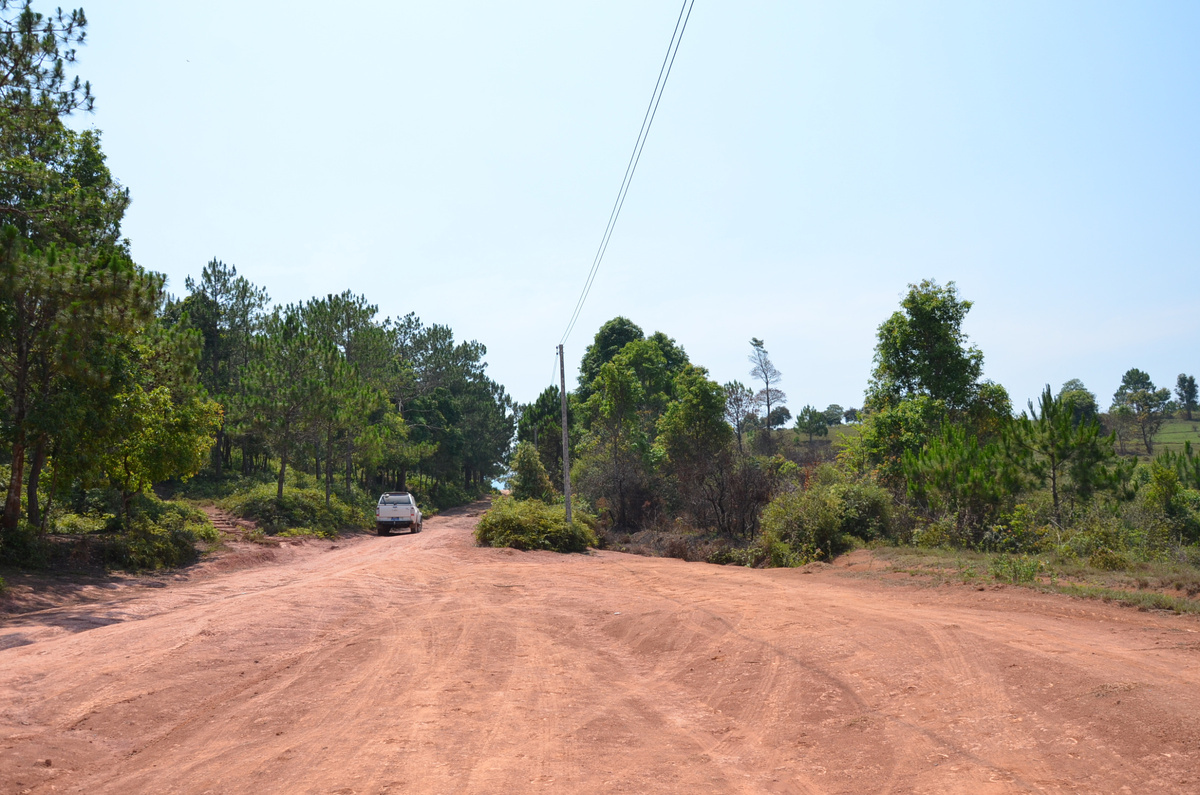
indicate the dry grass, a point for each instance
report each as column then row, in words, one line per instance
column 1158, row 586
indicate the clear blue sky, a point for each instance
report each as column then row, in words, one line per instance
column 459, row 159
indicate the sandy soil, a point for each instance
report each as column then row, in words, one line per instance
column 418, row 663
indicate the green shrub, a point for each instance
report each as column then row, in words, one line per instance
column 1107, row 560
column 147, row 545
column 76, row 524
column 940, row 533
column 1015, row 570
column 207, row 485
column 161, row 534
column 530, row 480
column 158, row 534
column 866, row 509
column 25, row 546
column 808, row 522
column 740, row 556
column 299, row 509
column 778, row 554
column 533, row 524
column 1024, row 530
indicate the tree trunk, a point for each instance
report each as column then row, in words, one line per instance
column 1054, row 491
column 767, row 419
column 33, row 511
column 50, row 494
column 12, row 500
column 282, row 473
column 328, row 474
column 218, row 450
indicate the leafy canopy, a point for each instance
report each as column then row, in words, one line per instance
column 922, row 350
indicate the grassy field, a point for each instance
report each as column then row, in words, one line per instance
column 1172, row 436
column 1174, row 433
column 1171, row 586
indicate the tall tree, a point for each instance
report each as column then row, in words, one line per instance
column 608, row 342
column 613, row 461
column 812, row 422
column 922, row 350
column 1082, row 401
column 530, row 481
column 956, row 475
column 1141, row 403
column 35, row 50
column 228, row 310
column 54, row 184
column 163, row 423
column 695, row 441
column 739, row 408
column 66, row 282
column 282, row 384
column 1185, row 390
column 1051, row 445
column 55, row 311
column 540, row 424
column 765, row 371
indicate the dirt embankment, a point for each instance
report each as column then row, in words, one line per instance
column 419, row 663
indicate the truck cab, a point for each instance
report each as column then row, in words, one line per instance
column 397, row 509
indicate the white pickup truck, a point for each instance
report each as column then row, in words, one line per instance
column 397, row 509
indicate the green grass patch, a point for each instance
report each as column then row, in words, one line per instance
column 1015, row 569
column 1174, row 433
column 1141, row 585
column 1151, row 600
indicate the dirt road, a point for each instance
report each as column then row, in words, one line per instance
column 420, row 664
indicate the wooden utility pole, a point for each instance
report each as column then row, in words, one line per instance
column 562, row 376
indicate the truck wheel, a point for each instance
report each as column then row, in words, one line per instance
column 417, row 527
column 383, row 530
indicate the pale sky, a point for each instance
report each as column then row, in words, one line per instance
column 809, row 160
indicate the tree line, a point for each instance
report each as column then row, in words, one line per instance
column 937, row 453
column 650, row 437
column 328, row 387
column 108, row 385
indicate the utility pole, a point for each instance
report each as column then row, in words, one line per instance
column 562, row 376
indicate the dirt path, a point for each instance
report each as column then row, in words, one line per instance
column 418, row 663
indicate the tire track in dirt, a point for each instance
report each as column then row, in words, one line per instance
column 419, row 663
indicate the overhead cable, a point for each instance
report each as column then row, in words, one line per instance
column 664, row 73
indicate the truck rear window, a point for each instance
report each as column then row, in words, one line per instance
column 395, row 499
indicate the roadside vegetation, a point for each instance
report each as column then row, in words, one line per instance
column 123, row 409
column 532, row 524
column 115, row 394
column 936, row 461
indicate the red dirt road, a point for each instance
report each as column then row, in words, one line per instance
column 418, row 663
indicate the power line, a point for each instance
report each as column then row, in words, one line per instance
column 664, row 73
column 555, row 370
